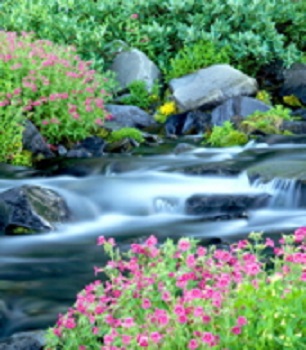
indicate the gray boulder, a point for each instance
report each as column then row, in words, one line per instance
column 34, row 340
column 34, row 142
column 29, row 209
column 134, row 65
column 241, row 106
column 295, row 82
column 215, row 206
column 211, row 86
column 128, row 116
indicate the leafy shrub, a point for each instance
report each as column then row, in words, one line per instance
column 123, row 133
column 226, row 136
column 264, row 96
column 257, row 31
column 184, row 296
column 269, row 122
column 140, row 96
column 52, row 87
column 193, row 57
column 11, row 130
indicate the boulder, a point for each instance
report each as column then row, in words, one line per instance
column 134, row 65
column 216, row 206
column 128, row 116
column 32, row 340
column 34, row 142
column 28, row 209
column 192, row 122
column 296, row 127
column 240, row 106
column 90, row 147
column 295, row 82
column 211, row 86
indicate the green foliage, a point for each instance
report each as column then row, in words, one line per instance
column 51, row 86
column 11, row 130
column 226, row 136
column 193, row 57
column 140, row 96
column 264, row 96
column 269, row 122
column 175, row 296
column 257, row 31
column 123, row 133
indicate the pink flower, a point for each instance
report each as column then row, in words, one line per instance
column 303, row 277
column 206, row 319
column 156, row 337
column 201, row 251
column 143, row 341
column 134, row 16
column 151, row 241
column 252, row 269
column 146, row 303
column 193, row 344
column 241, row 321
column 236, row 330
column 127, row 322
column 190, row 261
column 269, row 243
column 126, row 339
column 208, row 338
column 198, row 311
column 300, row 234
column 99, row 121
column 184, row 245
column 182, row 318
column 179, row 310
column 166, row 296
column 101, row 240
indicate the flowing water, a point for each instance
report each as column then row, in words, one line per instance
column 128, row 197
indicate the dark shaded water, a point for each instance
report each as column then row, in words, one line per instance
column 132, row 196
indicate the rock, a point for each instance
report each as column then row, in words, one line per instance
column 295, row 126
column 283, row 139
column 295, row 82
column 4, row 314
column 90, row 147
column 33, row 340
column 183, row 147
column 241, row 106
column 122, row 146
column 216, row 206
column 34, row 142
column 211, row 86
column 31, row 208
column 128, row 116
column 192, row 122
column 134, row 65
column 300, row 113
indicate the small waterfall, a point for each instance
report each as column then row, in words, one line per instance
column 285, row 192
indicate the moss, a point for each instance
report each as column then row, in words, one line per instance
column 123, row 133
column 226, row 136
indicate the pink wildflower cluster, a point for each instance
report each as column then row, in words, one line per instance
column 157, row 293
column 55, row 85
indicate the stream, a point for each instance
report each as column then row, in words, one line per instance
column 130, row 196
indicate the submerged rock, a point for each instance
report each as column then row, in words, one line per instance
column 29, row 209
column 34, row 340
column 219, row 206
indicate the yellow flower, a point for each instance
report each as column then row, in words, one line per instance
column 168, row 108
